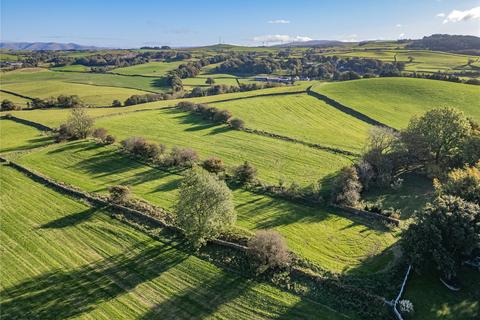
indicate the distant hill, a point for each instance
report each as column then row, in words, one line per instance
column 312, row 43
column 35, row 46
column 446, row 42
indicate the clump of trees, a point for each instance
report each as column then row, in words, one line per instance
column 62, row 101
column 78, row 126
column 268, row 250
column 222, row 88
column 181, row 157
column 245, row 173
column 237, row 123
column 101, row 134
column 464, row 183
column 207, row 112
column 347, row 187
column 204, row 208
column 147, row 150
column 214, row 165
column 144, row 98
column 8, row 105
column 444, row 234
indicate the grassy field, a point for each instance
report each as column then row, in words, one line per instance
column 432, row 300
column 90, row 94
column 302, row 117
column 63, row 259
column 37, row 75
column 394, row 101
column 275, row 159
column 15, row 136
column 154, row 69
column 73, row 67
column 333, row 241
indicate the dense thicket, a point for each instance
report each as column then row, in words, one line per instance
column 447, row 42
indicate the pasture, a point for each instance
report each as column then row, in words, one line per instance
column 150, row 69
column 19, row 101
column 78, row 262
column 16, row 137
column 328, row 238
column 394, row 101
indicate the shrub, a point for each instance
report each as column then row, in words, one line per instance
column 116, row 103
column 8, row 105
column 268, row 249
column 119, row 194
column 187, row 106
column 100, row 134
column 213, row 165
column 237, row 124
column 463, row 183
column 347, row 187
column 222, row 116
column 109, row 139
column 245, row 173
column 205, row 207
column 143, row 148
column 181, row 157
column 62, row 133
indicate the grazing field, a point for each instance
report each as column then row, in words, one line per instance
column 394, row 101
column 432, row 300
column 275, row 159
column 330, row 239
column 90, row 94
column 15, row 136
column 37, row 75
column 73, row 67
column 423, row 60
column 154, row 69
column 302, row 117
column 15, row 99
column 63, row 259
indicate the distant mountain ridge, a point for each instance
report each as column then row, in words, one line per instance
column 35, row 46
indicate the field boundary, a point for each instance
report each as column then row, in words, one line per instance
column 16, row 94
column 36, row 125
column 352, row 112
column 369, row 214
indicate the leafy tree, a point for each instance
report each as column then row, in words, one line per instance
column 463, row 183
column 213, row 165
column 210, row 81
column 444, row 234
column 268, row 249
column 347, row 187
column 79, row 123
column 100, row 134
column 119, row 194
column 205, row 207
column 237, row 123
column 437, row 138
column 116, row 103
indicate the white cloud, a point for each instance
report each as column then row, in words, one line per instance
column 457, row 16
column 401, row 36
column 279, row 21
column 441, row 15
column 350, row 38
column 280, row 38
column 399, row 25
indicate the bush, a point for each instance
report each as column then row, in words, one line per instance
column 268, row 249
column 143, row 148
column 187, row 106
column 100, row 134
column 8, row 105
column 205, row 207
column 181, row 157
column 245, row 173
column 63, row 133
column 222, row 116
column 119, row 194
column 213, row 165
column 347, row 187
column 237, row 124
column 116, row 103
column 109, row 139
column 463, row 183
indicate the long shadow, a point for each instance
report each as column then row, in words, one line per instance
column 71, row 220
column 201, row 301
column 106, row 163
column 64, row 294
column 195, row 121
column 159, row 83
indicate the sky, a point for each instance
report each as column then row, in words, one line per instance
column 130, row 24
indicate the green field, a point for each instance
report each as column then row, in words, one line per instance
column 73, row 67
column 15, row 99
column 63, row 259
column 302, row 117
column 394, row 101
column 37, row 75
column 333, row 241
column 90, row 94
column 154, row 69
column 15, row 136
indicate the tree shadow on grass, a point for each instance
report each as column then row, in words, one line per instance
column 106, row 163
column 159, row 83
column 71, row 220
column 64, row 294
column 201, row 301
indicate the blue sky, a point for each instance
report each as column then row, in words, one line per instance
column 187, row 23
